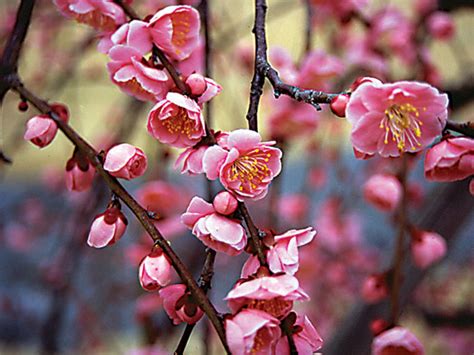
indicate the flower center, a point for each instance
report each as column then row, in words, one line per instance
column 277, row 307
column 251, row 168
column 97, row 20
column 180, row 31
column 134, row 86
column 180, row 123
column 403, row 123
column 260, row 341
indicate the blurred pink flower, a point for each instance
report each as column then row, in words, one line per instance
column 79, row 173
column 125, row 161
column 245, row 166
column 427, row 248
column 383, row 191
column 397, row 340
column 450, row 160
column 440, row 25
column 390, row 119
column 317, row 70
column 273, row 294
column 40, row 130
column 252, row 332
column 214, row 230
column 146, row 305
column 162, row 198
column 179, row 304
column 107, row 227
column 293, row 208
column 177, row 121
column 374, row 288
column 154, row 271
column 306, row 337
column 282, row 61
column 175, row 30
column 103, row 15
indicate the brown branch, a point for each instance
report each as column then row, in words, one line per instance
column 129, row 11
column 466, row 128
column 309, row 27
column 11, row 52
column 140, row 213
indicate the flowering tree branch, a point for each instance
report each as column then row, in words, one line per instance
column 117, row 188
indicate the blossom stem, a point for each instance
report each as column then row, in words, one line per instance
column 398, row 255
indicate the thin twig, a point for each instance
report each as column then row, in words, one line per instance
column 466, row 128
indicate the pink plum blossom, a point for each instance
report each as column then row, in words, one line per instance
column 282, row 61
column 440, row 25
column 397, row 340
column 384, row 191
column 103, row 15
column 179, row 304
column 136, row 77
column 338, row 105
column 374, row 288
column 162, row 198
column 154, row 271
column 390, row 119
column 190, row 160
column 197, row 84
column 272, row 294
column 225, row 203
column 175, row 30
column 107, row 227
column 317, row 70
column 40, row 130
column 252, row 332
column 427, row 248
column 294, row 208
column 245, row 165
column 306, row 337
column 177, row 121
column 125, row 161
column 450, row 160
column 213, row 229
column 134, row 34
column 79, row 174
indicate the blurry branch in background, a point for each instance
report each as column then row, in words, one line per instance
column 451, row 5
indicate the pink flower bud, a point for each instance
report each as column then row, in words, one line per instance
column 179, row 304
column 40, row 130
column 79, row 174
column 107, row 227
column 125, row 161
column 383, row 191
column 197, row 84
column 427, row 248
column 374, row 288
column 378, row 325
column 225, row 203
column 440, row 25
column 154, row 271
column 338, row 105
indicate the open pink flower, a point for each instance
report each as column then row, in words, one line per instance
column 390, row 119
column 180, row 305
column 427, row 248
column 190, row 160
column 397, row 340
column 272, row 294
column 306, row 337
column 177, row 121
column 134, row 34
column 245, row 166
column 175, row 30
column 136, row 77
column 383, row 191
column 125, row 161
column 213, row 229
column 283, row 256
column 450, row 160
column 79, row 173
column 252, row 332
column 103, row 15
column 40, row 130
column 154, row 271
column 107, row 227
